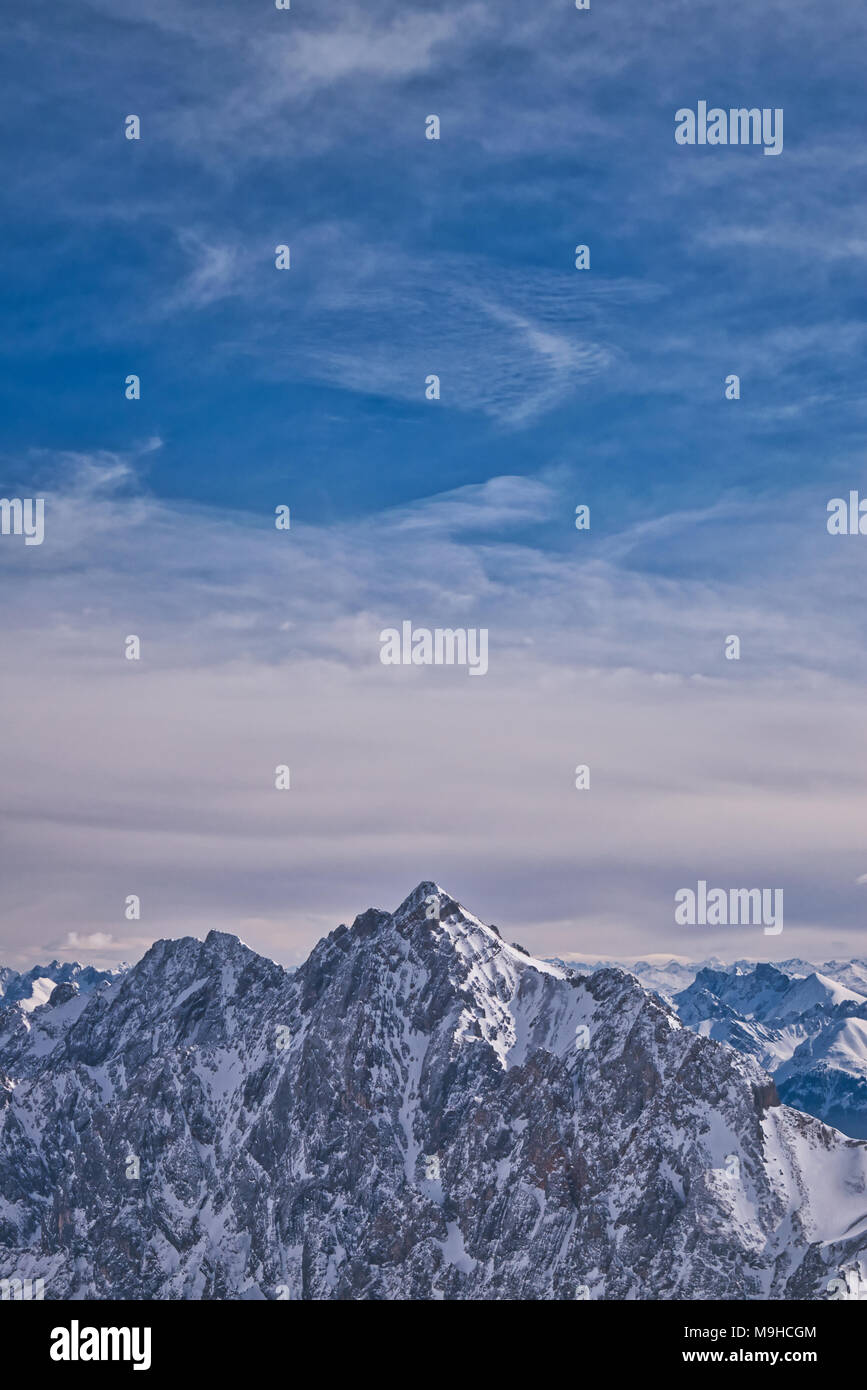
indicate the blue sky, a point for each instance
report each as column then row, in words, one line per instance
column 412, row 257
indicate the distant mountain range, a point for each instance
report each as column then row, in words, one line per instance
column 419, row 1111
column 668, row 975
column 34, row 987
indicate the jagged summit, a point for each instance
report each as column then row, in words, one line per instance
column 432, row 932
column 433, row 904
column 420, row 895
column 429, row 917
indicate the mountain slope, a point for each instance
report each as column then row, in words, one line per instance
column 827, row 1076
column 419, row 1111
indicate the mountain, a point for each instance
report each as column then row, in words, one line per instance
column 808, row 1032
column 33, row 988
column 851, row 973
column 37, row 1007
column 787, row 1015
column 827, row 1076
column 419, row 1111
column 669, row 975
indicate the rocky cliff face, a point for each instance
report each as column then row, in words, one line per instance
column 419, row 1111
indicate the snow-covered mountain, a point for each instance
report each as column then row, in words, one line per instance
column 808, row 1031
column 827, row 1076
column 34, row 987
column 851, row 973
column 418, row 1111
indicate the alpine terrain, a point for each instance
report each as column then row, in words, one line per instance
column 420, row 1111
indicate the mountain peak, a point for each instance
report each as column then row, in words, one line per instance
column 429, row 902
column 419, row 897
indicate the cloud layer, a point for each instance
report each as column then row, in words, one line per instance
column 261, row 647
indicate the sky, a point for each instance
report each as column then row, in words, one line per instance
column 305, row 388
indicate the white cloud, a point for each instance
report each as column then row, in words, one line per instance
column 91, row 941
